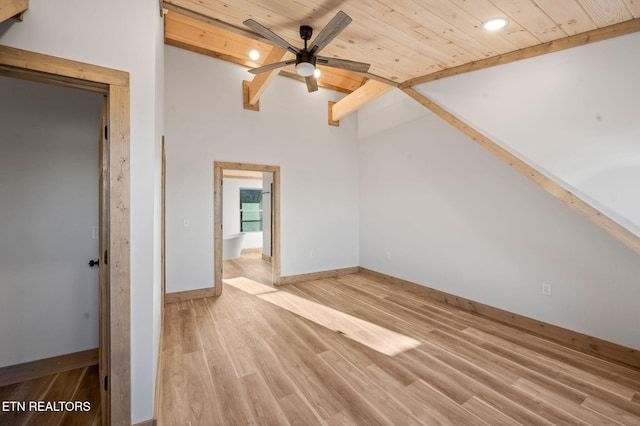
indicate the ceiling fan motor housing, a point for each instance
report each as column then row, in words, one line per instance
column 305, row 32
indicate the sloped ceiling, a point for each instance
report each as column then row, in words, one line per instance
column 573, row 115
column 406, row 40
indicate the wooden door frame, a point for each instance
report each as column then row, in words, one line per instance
column 114, row 85
column 218, row 167
column 163, row 233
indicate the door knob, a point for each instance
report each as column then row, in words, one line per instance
column 94, row 262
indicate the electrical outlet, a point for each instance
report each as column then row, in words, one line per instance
column 185, row 223
column 311, row 253
column 546, row 289
column 388, row 255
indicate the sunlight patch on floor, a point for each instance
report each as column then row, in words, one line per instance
column 374, row 336
column 249, row 286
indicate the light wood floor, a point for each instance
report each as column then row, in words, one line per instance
column 81, row 384
column 249, row 265
column 241, row 359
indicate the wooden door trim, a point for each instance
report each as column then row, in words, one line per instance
column 163, row 279
column 114, row 84
column 218, row 167
column 103, row 341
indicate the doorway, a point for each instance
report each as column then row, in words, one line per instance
column 254, row 194
column 114, row 233
column 49, row 227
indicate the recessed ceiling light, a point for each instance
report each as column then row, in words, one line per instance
column 317, row 73
column 254, row 55
column 495, row 24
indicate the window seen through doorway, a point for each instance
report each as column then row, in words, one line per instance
column 250, row 210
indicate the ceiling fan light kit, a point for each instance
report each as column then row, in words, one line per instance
column 305, row 63
column 305, row 69
column 306, row 57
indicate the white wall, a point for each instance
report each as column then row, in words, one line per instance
column 156, row 288
column 267, row 181
column 231, row 210
column 205, row 121
column 49, row 193
column 124, row 35
column 439, row 210
column 573, row 114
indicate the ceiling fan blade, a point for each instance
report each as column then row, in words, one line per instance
column 312, row 84
column 344, row 64
column 267, row 33
column 273, row 66
column 328, row 33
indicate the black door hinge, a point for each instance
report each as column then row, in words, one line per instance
column 106, row 257
column 106, row 132
column 106, row 382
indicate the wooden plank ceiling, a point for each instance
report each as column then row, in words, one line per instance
column 403, row 40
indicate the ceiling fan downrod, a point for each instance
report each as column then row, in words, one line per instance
column 305, row 60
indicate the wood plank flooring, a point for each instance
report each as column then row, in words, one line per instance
column 249, row 265
column 239, row 359
column 79, row 385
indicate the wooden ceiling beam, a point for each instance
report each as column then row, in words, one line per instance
column 607, row 224
column 13, row 9
column 261, row 81
column 185, row 32
column 599, row 34
column 215, row 22
column 350, row 103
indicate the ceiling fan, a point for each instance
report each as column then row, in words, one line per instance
column 307, row 58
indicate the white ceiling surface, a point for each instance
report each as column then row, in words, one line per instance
column 574, row 115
